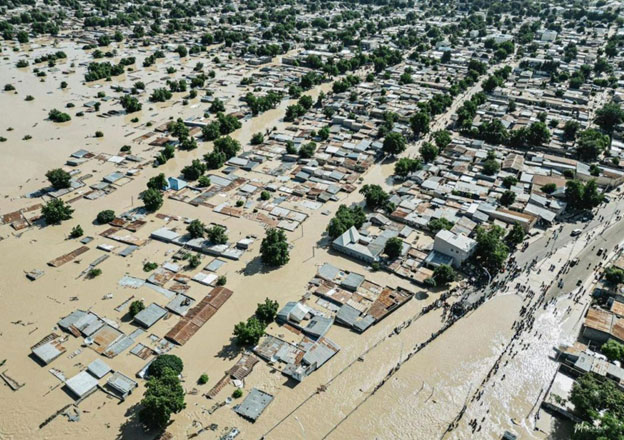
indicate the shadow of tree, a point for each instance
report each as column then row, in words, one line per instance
column 230, row 351
column 132, row 428
column 256, row 266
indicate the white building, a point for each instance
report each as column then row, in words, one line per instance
column 457, row 246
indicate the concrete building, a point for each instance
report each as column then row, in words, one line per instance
column 457, row 246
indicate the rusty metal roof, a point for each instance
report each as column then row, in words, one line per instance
column 598, row 319
column 198, row 315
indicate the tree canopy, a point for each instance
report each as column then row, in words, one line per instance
column 274, row 248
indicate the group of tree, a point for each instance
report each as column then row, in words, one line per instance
column 58, row 116
column 491, row 251
column 249, row 333
column 405, row 165
column 599, row 403
column 299, row 109
column 223, row 125
column 582, row 196
column 224, row 148
column 130, row 104
column 260, row 104
column 96, row 71
column 614, row 275
column 164, row 394
column 344, row 219
column 376, row 198
column 495, row 80
column 590, row 144
column 160, row 95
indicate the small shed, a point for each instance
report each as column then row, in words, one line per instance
column 49, row 351
column 121, row 385
column 82, row 384
column 98, row 368
column 254, row 404
column 150, row 315
column 176, row 184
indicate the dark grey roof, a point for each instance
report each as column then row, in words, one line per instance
column 150, row 315
column 318, row 326
column 352, row 281
column 347, row 315
column 254, row 404
column 328, row 272
column 98, row 368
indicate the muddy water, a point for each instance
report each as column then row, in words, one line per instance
column 417, row 402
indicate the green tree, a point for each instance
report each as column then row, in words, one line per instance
column 130, row 104
column 613, row 350
column 405, row 165
column 491, row 252
column 76, row 232
column 344, row 219
column 58, row 116
column 228, row 146
column 266, row 311
column 429, row 152
column 152, row 199
column 159, row 367
column 163, row 397
column 257, row 139
column 507, row 198
column 435, row 225
column 444, row 274
column 306, row 151
column 394, row 143
column 158, row 182
column 274, row 248
column 590, row 144
column 136, row 307
column 516, row 235
column 216, row 106
column 196, row 229
column 490, row 167
column 55, row 211
column 509, row 181
column 609, row 116
column 614, row 275
column 194, row 171
column 419, row 123
column 217, row 235
column 570, row 129
column 375, row 196
column 442, row 139
column 59, row 178
column 393, row 247
column 549, row 188
column 106, row 216
column 249, row 333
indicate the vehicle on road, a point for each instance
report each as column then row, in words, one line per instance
column 600, row 251
column 576, row 232
column 579, row 282
column 574, row 262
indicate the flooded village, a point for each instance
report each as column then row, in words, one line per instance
column 346, row 219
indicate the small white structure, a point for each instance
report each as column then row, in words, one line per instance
column 457, row 246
